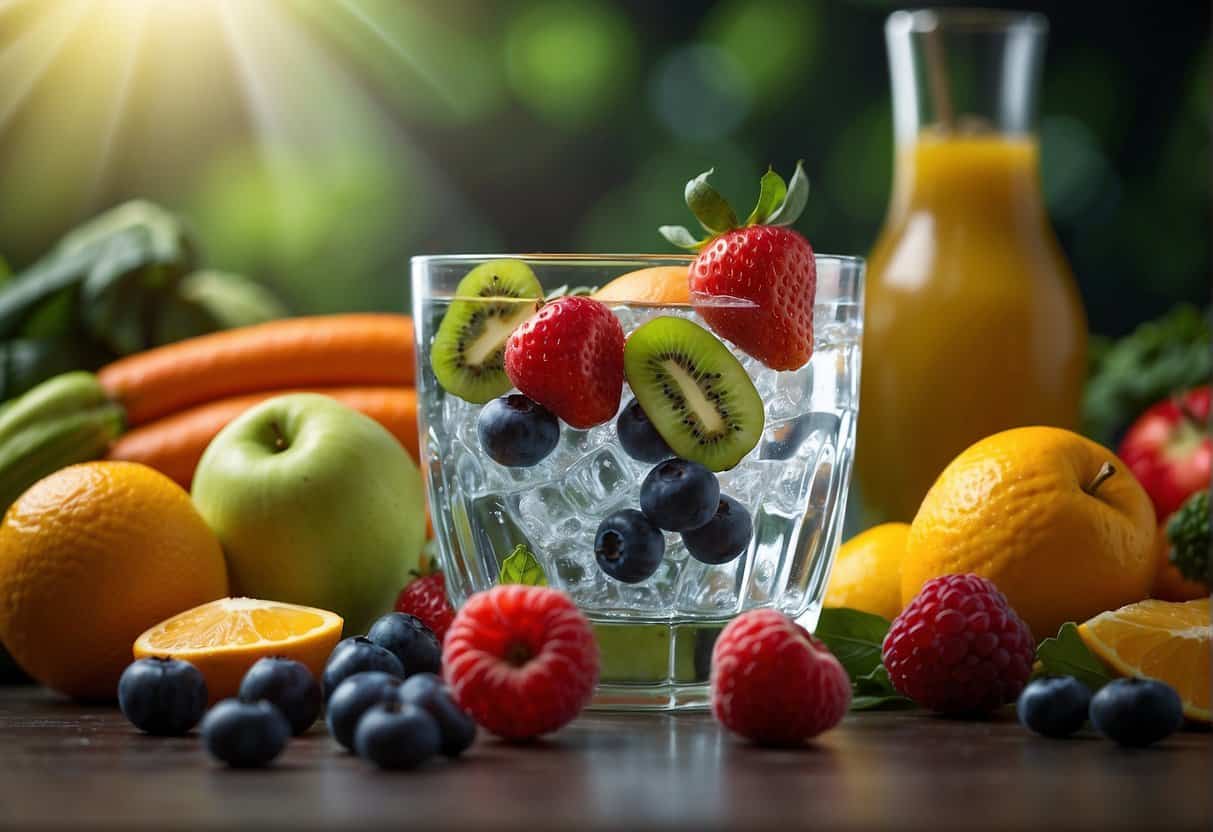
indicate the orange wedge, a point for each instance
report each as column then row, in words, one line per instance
column 225, row 637
column 1162, row 640
column 665, row 285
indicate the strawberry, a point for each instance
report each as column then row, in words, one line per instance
column 569, row 358
column 424, row 597
column 755, row 283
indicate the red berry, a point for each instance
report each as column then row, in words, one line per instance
column 773, row 268
column 569, row 358
column 521, row 660
column 773, row 682
column 425, row 598
column 959, row 647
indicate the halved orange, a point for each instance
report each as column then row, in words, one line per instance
column 224, row 638
column 660, row 285
column 1163, row 640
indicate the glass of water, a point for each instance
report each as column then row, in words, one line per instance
column 655, row 636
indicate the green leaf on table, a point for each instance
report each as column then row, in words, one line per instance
column 1066, row 655
column 853, row 637
column 875, row 692
column 520, row 567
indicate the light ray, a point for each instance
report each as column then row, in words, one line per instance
column 23, row 63
column 431, row 78
column 122, row 93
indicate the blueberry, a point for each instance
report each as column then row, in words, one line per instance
column 410, row 641
column 397, row 735
column 638, row 436
column 287, row 684
column 628, row 546
column 517, row 431
column 165, row 697
column 428, row 692
column 1055, row 706
column 353, row 697
column 678, row 495
column 356, row 655
column 724, row 537
column 245, row 734
column 1136, row 712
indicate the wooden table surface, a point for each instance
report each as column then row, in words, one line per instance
column 67, row 766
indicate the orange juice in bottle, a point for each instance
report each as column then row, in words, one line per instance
column 973, row 323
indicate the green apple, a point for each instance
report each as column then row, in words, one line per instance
column 315, row 504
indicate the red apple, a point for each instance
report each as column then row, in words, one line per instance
column 1169, row 450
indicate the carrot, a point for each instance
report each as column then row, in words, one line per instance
column 294, row 353
column 174, row 444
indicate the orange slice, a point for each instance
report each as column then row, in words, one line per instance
column 225, row 637
column 664, row 285
column 1161, row 640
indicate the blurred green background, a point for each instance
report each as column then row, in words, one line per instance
column 316, row 144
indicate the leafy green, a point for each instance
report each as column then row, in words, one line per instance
column 520, row 567
column 1188, row 531
column 1066, row 655
column 855, row 639
column 1159, row 358
column 874, row 691
column 121, row 282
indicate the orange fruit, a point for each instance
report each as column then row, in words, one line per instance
column 1169, row 584
column 660, row 285
column 1057, row 522
column 1164, row 640
column 90, row 557
column 867, row 571
column 224, row 638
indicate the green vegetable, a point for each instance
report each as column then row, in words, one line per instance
column 1066, row 655
column 1188, row 531
column 1158, row 359
column 520, row 567
column 855, row 639
column 121, row 282
column 66, row 420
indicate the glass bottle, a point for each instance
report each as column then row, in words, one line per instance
column 973, row 320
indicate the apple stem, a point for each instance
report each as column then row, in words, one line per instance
column 1106, row 470
column 280, row 443
column 1189, row 415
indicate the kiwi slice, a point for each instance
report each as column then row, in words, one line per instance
column 468, row 353
column 694, row 391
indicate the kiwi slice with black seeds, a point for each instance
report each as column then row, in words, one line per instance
column 694, row 391
column 468, row 353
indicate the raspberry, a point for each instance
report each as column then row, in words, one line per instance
column 959, row 647
column 425, row 598
column 521, row 660
column 773, row 682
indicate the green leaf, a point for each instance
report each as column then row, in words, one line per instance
column 5, row 271
column 875, row 692
column 771, row 194
column 709, row 207
column 1066, row 655
column 854, row 638
column 797, row 197
column 680, row 237
column 522, row 568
